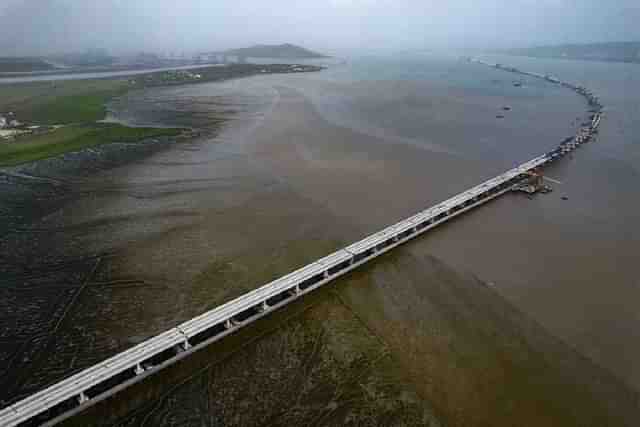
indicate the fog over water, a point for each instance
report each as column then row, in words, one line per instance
column 335, row 26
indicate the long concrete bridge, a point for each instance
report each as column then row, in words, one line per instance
column 82, row 389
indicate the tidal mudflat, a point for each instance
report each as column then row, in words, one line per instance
column 144, row 245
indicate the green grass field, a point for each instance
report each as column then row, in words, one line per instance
column 62, row 102
column 81, row 108
column 76, row 104
column 73, row 138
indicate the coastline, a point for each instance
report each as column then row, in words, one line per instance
column 315, row 172
column 79, row 110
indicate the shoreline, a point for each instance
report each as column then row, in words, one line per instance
column 137, row 73
column 90, row 70
column 90, row 110
column 386, row 286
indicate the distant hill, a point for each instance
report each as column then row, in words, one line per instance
column 17, row 65
column 288, row 51
column 614, row 52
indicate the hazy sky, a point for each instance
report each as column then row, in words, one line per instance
column 44, row 26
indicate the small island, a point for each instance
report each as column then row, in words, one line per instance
column 283, row 51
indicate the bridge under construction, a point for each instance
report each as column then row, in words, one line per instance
column 82, row 389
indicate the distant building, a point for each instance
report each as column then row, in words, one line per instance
column 144, row 58
column 207, row 57
column 210, row 58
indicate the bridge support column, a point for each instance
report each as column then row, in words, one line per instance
column 228, row 324
column 139, row 369
column 82, row 398
column 264, row 306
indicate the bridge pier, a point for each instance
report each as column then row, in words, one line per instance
column 139, row 370
column 82, row 398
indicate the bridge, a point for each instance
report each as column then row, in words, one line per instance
column 106, row 378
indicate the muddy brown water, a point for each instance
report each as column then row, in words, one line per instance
column 137, row 247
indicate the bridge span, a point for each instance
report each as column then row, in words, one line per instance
column 123, row 369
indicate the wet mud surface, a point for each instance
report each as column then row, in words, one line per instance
column 323, row 369
column 102, row 258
